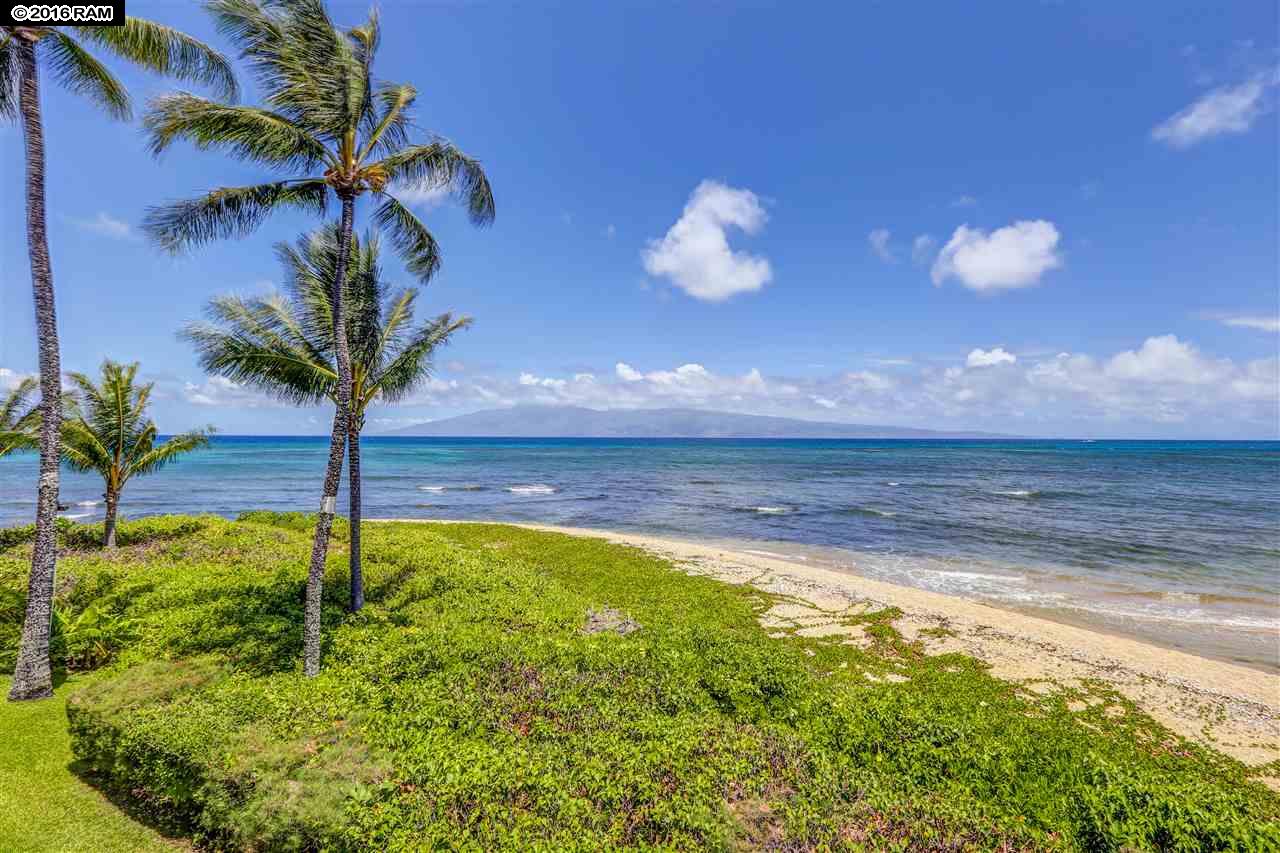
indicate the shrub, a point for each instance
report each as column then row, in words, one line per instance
column 467, row 707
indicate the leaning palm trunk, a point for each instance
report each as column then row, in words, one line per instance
column 337, row 445
column 32, row 678
column 353, row 485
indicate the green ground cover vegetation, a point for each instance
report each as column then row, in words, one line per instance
column 466, row 707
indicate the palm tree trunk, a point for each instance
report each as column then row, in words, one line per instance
column 337, row 444
column 353, row 485
column 32, row 678
column 109, row 526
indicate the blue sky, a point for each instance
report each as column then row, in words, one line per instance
column 1048, row 219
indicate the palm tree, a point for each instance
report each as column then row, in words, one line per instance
column 284, row 345
column 19, row 421
column 23, row 49
column 108, row 432
column 334, row 130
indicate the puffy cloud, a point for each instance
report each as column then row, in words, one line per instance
column 222, row 392
column 922, row 248
column 1265, row 324
column 1163, row 385
column 107, row 225
column 695, row 254
column 10, row 379
column 989, row 358
column 879, row 240
column 1225, row 110
column 1167, row 359
column 1007, row 258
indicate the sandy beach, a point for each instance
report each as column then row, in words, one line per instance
column 1231, row 708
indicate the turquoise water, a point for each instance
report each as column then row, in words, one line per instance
column 1175, row 542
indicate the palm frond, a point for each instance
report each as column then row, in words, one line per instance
column 83, row 449
column 412, row 366
column 257, row 342
column 414, row 243
column 13, row 409
column 77, row 70
column 389, row 131
column 8, row 77
column 230, row 212
column 166, row 51
column 161, row 455
column 15, row 440
column 440, row 164
column 249, row 133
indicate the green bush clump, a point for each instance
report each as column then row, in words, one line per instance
column 466, row 707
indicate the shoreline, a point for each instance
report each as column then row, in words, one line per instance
column 1230, row 707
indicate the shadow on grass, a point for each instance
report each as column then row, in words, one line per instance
column 154, row 815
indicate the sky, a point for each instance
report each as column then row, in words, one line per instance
column 1048, row 219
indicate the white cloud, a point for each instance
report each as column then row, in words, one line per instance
column 865, row 379
column 10, row 379
column 222, row 392
column 1162, row 385
column 695, row 254
column 1007, row 258
column 879, row 240
column 1225, row 110
column 425, row 197
column 1167, row 359
column 1265, row 324
column 921, row 248
column 107, row 225
column 989, row 358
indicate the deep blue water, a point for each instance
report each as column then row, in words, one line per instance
column 1178, row 542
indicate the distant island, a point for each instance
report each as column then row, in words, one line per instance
column 578, row 422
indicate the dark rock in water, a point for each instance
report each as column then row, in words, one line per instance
column 63, row 507
column 608, row 619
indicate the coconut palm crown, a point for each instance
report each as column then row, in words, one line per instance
column 146, row 44
column 283, row 343
column 108, row 432
column 325, row 121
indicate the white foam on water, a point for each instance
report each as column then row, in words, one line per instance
column 536, row 489
column 980, row 576
column 771, row 510
column 1193, row 616
column 773, row 554
column 1019, row 493
column 87, row 503
column 431, row 488
column 892, row 483
column 70, row 516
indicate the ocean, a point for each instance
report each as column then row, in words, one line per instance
column 1177, row 543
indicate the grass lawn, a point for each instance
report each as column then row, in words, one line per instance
column 43, row 804
column 473, row 704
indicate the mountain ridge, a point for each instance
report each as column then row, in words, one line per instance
column 535, row 421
